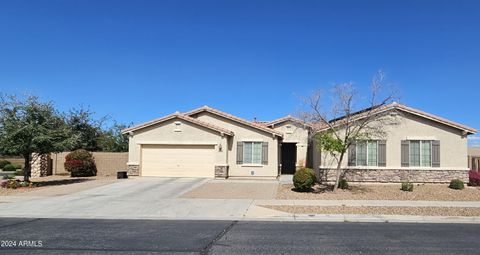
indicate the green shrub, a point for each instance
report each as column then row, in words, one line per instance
column 25, row 184
column 456, row 184
column 80, row 163
column 3, row 163
column 343, row 184
column 17, row 166
column 407, row 186
column 9, row 167
column 304, row 179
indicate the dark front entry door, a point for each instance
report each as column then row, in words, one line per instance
column 289, row 158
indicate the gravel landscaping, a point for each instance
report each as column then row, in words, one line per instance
column 57, row 182
column 432, row 192
column 378, row 210
column 234, row 190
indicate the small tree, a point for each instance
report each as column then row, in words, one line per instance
column 343, row 122
column 113, row 140
column 85, row 128
column 29, row 126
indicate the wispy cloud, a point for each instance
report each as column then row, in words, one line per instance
column 474, row 141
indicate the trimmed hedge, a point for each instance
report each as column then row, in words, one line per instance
column 304, row 179
column 80, row 163
column 456, row 184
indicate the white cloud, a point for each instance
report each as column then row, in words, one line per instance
column 474, row 141
column 474, row 138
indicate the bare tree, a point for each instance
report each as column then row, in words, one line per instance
column 348, row 117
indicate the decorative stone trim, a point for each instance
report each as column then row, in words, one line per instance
column 40, row 165
column 133, row 170
column 394, row 175
column 221, row 171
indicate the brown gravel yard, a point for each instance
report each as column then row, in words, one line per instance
column 235, row 190
column 378, row 210
column 432, row 192
column 58, row 185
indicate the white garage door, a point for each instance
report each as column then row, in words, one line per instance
column 178, row 160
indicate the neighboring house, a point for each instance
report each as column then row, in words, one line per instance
column 474, row 158
column 206, row 142
column 416, row 146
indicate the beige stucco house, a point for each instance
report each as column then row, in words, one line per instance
column 206, row 142
column 414, row 146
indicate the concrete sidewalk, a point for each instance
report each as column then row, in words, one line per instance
column 257, row 212
column 403, row 203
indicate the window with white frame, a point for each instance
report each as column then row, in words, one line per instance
column 420, row 153
column 367, row 153
column 252, row 152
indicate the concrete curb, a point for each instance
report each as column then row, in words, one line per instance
column 380, row 203
column 290, row 218
column 387, row 218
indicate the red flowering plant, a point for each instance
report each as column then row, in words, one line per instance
column 80, row 163
column 473, row 178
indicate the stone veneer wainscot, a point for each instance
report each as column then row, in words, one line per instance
column 395, row 175
column 133, row 170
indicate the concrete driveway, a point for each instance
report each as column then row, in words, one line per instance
column 133, row 198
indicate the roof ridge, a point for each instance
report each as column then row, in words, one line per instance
column 205, row 123
column 181, row 116
column 433, row 116
column 234, row 118
column 411, row 110
column 288, row 117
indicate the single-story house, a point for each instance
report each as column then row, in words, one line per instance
column 206, row 142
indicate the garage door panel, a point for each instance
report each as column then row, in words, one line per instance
column 178, row 160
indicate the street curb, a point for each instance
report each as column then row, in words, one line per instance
column 354, row 218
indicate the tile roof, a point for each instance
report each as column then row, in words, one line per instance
column 234, row 118
column 182, row 117
column 434, row 118
column 288, row 118
column 379, row 109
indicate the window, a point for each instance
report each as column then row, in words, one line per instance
column 367, row 153
column 372, row 147
column 361, row 153
column 252, row 152
column 420, row 153
column 414, row 153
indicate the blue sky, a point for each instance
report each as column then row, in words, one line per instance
column 138, row 60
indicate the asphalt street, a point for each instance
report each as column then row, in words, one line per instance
column 100, row 236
